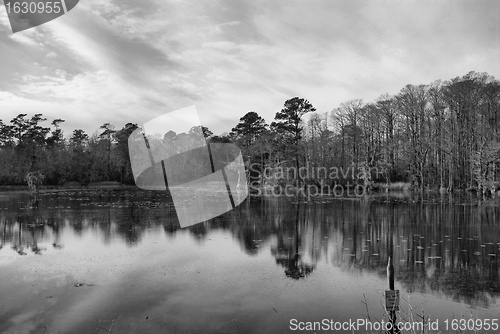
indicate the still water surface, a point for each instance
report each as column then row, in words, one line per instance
column 74, row 262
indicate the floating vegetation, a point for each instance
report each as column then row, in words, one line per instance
column 77, row 285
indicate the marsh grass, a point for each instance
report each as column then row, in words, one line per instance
column 415, row 315
column 396, row 186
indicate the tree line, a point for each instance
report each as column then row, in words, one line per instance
column 444, row 135
column 27, row 146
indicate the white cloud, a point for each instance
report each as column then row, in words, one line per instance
column 120, row 61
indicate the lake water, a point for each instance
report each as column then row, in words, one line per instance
column 117, row 260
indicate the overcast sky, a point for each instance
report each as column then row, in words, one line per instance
column 122, row 61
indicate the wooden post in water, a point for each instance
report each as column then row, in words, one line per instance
column 390, row 273
column 391, row 295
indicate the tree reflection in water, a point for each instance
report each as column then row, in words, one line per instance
column 288, row 254
column 441, row 246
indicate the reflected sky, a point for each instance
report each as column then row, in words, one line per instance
column 71, row 261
